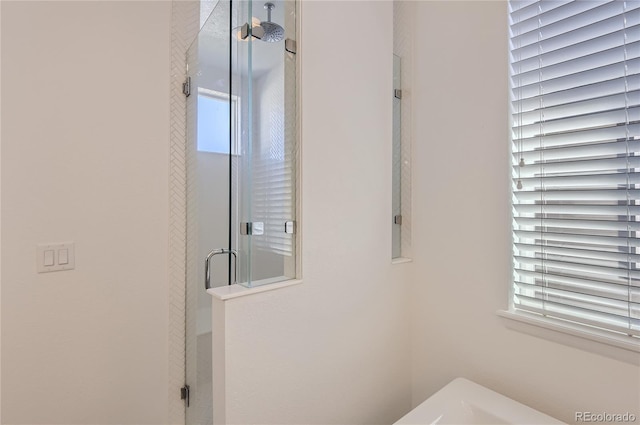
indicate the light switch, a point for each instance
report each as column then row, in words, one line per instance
column 49, row 257
column 54, row 257
column 63, row 256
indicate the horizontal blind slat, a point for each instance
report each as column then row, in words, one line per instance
column 585, row 242
column 581, row 167
column 556, row 252
column 583, row 286
column 582, row 49
column 602, row 304
column 580, row 137
column 605, row 275
column 571, row 312
column 580, row 197
column 600, row 66
column 526, row 19
column 585, row 182
column 588, row 105
column 553, row 37
column 592, row 151
column 590, row 121
column 623, row 229
column 572, row 94
column 546, row 26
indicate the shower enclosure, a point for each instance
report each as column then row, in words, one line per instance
column 241, row 167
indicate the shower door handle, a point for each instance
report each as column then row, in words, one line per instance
column 207, row 263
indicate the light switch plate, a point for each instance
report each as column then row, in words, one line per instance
column 43, row 251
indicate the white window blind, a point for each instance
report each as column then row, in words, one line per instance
column 273, row 193
column 575, row 91
column 273, row 188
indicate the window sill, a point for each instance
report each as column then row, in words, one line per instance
column 401, row 260
column 576, row 330
column 229, row 292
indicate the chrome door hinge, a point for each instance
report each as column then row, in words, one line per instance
column 290, row 227
column 253, row 31
column 290, row 46
column 184, row 394
column 397, row 93
column 186, row 87
column 397, row 219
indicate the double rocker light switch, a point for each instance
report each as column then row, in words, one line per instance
column 49, row 257
column 55, row 257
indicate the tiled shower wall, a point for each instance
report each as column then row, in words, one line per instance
column 184, row 27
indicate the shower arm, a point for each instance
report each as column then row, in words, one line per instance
column 269, row 7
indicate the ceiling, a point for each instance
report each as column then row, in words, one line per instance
column 217, row 32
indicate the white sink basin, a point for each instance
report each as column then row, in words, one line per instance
column 465, row 402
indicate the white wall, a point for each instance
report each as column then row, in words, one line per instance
column 85, row 158
column 85, row 117
column 333, row 350
column 462, row 241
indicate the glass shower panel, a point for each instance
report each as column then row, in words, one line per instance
column 266, row 168
column 397, row 161
column 209, row 150
column 241, row 166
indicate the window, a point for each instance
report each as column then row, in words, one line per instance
column 213, row 121
column 575, row 97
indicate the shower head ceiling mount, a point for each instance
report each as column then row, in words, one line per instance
column 267, row 31
column 272, row 31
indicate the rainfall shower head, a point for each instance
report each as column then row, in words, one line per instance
column 272, row 31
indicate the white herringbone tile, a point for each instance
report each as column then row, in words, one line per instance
column 184, row 27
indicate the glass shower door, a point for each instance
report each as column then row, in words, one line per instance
column 241, row 162
column 209, row 154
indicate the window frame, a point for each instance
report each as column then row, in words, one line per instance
column 235, row 119
column 514, row 313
